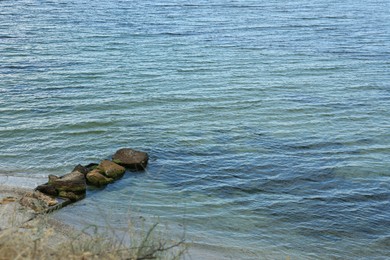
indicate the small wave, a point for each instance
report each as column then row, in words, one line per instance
column 6, row 37
column 87, row 132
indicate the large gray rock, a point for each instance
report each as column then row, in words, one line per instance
column 132, row 159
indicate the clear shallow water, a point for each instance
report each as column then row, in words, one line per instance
column 267, row 123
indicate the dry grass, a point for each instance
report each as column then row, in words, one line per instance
column 40, row 239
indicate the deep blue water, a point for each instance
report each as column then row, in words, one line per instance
column 267, row 122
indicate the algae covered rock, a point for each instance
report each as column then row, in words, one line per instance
column 105, row 173
column 72, row 195
column 132, row 159
column 95, row 178
column 111, row 169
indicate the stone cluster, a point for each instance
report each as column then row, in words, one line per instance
column 73, row 186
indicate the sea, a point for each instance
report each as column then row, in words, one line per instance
column 267, row 123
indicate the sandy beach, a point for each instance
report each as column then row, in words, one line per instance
column 26, row 234
column 20, row 226
column 17, row 220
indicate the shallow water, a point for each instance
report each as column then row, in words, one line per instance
column 267, row 123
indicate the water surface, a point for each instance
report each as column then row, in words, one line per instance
column 267, row 123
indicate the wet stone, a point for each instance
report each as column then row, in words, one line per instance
column 131, row 159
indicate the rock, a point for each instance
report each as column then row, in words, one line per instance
column 72, row 186
column 53, row 178
column 94, row 177
column 37, row 201
column 33, row 203
column 83, row 169
column 74, row 181
column 91, row 166
column 131, row 159
column 47, row 189
column 72, row 195
column 111, row 169
column 49, row 201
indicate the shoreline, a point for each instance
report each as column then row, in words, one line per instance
column 26, row 234
column 15, row 217
column 24, row 227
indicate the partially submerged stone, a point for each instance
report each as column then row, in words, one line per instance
column 79, row 168
column 111, row 169
column 85, row 169
column 74, row 181
column 47, row 189
column 91, row 166
column 131, row 159
column 71, row 186
column 95, row 178
column 72, row 195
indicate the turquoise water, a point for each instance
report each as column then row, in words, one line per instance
column 267, row 123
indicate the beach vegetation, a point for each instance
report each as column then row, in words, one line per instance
column 41, row 239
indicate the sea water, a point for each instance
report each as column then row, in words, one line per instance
column 266, row 122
